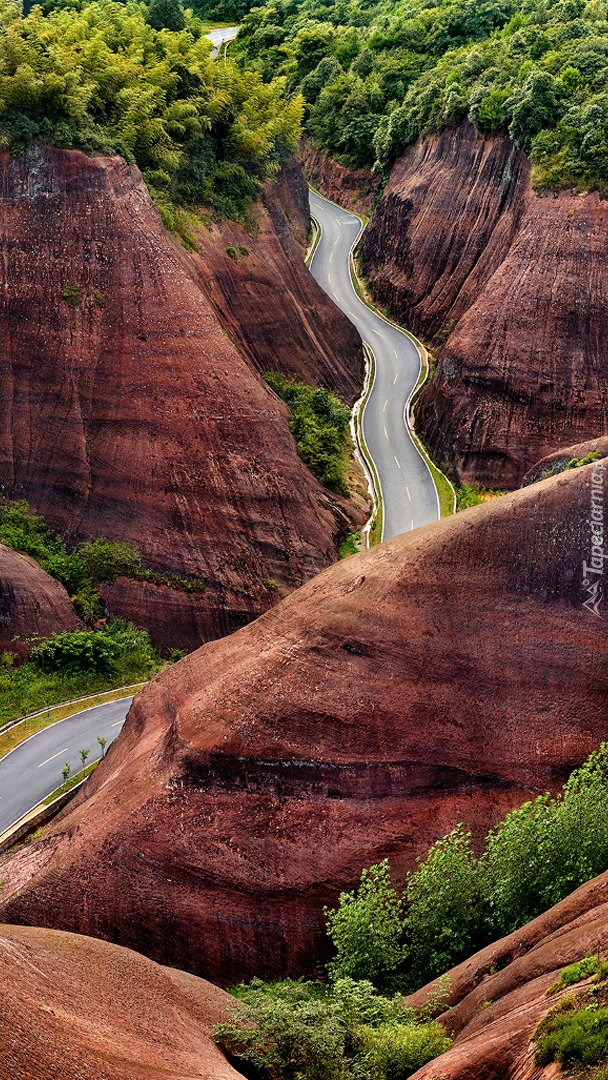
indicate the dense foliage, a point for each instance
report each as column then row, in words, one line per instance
column 81, row 568
column 376, row 75
column 456, row 902
column 304, row 1031
column 69, row 665
column 575, row 1033
column 99, row 76
column 320, row 423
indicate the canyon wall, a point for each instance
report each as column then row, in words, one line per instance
column 446, row 675
column 126, row 411
column 355, row 189
column 509, row 287
column 279, row 317
column 32, row 604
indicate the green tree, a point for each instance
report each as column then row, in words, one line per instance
column 366, row 930
column 166, row 15
column 83, row 754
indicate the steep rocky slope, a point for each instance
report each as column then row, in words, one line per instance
column 280, row 318
column 32, row 604
column 511, row 289
column 126, row 411
column 557, row 461
column 356, row 189
column 444, row 676
column 74, row 1007
column 499, row 996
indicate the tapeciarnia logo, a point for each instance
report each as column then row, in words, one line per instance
column 593, row 571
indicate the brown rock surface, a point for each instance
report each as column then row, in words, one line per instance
column 280, row 318
column 354, row 189
column 512, row 975
column 511, row 287
column 556, row 462
column 32, row 604
column 126, row 411
column 74, row 1007
column 444, row 676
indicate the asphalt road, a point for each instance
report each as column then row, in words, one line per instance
column 33, row 769
column 218, row 37
column 408, row 491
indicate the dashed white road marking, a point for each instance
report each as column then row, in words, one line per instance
column 411, row 526
column 385, row 433
column 331, row 255
column 117, row 723
column 395, row 379
column 408, row 493
column 53, row 757
column 385, row 404
column 397, row 460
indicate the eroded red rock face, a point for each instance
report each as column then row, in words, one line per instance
column 510, row 287
column 444, row 676
column 126, row 411
column 499, row 995
column 557, row 462
column 355, row 189
column 32, row 604
column 74, row 1007
column 280, row 318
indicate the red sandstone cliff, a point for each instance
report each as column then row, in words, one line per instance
column 355, row 189
column 73, row 1007
column 280, row 318
column 126, row 411
column 500, row 995
column 510, row 287
column 32, row 604
column 444, row 676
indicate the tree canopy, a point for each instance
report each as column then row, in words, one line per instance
column 112, row 77
column 377, row 75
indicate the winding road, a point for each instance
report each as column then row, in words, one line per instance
column 218, row 37
column 408, row 492
column 32, row 770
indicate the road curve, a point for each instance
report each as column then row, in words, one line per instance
column 408, row 492
column 218, row 37
column 32, row 770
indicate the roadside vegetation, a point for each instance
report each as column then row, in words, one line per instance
column 320, row 424
column 377, row 75
column 75, row 664
column 575, row 1032
column 138, row 81
column 471, row 495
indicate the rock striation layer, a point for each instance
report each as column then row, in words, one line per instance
column 126, row 411
column 32, row 604
column 74, row 1007
column 444, row 676
column 510, row 287
column 499, row 995
column 280, row 317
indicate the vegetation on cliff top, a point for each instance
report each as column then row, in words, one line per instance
column 99, row 77
column 376, row 75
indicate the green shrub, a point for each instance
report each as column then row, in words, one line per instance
column 366, row 930
column 575, row 463
column 95, row 651
column 105, row 560
column 305, row 1031
column 573, row 1036
column 320, row 423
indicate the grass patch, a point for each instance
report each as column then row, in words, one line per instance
column 72, row 665
column 70, row 783
column 468, row 495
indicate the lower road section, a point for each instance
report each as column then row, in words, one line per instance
column 408, row 492
column 33, row 769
